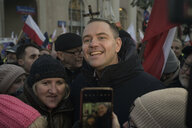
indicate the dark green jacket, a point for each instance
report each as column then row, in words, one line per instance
column 60, row 117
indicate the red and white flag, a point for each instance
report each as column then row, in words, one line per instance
column 159, row 36
column 33, row 31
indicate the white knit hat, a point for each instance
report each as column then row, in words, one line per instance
column 8, row 74
column 160, row 109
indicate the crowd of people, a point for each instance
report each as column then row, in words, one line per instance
column 37, row 85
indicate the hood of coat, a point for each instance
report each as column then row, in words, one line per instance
column 128, row 67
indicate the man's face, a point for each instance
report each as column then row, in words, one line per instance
column 100, row 47
column 177, row 48
column 31, row 54
column 72, row 59
column 184, row 74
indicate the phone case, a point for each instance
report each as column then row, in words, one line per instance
column 96, row 107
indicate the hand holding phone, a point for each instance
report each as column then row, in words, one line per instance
column 96, row 107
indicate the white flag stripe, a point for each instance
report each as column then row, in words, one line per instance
column 187, row 38
column 54, row 34
column 63, row 28
column 141, row 34
column 131, row 31
column 167, row 45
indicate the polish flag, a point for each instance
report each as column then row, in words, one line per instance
column 159, row 36
column 33, row 31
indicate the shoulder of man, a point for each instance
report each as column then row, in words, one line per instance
column 151, row 81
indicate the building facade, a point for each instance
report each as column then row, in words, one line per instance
column 50, row 15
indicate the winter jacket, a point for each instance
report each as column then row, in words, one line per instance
column 127, row 78
column 60, row 117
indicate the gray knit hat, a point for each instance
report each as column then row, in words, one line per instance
column 160, row 109
column 172, row 63
column 8, row 74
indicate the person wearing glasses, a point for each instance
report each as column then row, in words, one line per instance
column 184, row 73
column 69, row 52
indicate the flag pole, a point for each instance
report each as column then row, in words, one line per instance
column 21, row 32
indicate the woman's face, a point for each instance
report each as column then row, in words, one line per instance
column 101, row 109
column 18, row 83
column 50, row 91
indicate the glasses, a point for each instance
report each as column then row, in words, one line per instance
column 74, row 52
column 186, row 66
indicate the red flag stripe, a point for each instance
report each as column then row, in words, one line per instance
column 154, row 56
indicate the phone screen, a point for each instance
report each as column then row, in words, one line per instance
column 96, row 107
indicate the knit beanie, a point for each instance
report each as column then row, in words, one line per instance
column 67, row 41
column 46, row 67
column 160, row 109
column 172, row 63
column 16, row 114
column 8, row 74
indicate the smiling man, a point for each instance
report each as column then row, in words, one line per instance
column 100, row 47
column 105, row 68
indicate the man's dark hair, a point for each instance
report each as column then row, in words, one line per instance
column 111, row 25
column 20, row 53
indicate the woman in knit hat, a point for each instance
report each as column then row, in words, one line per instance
column 47, row 91
column 12, row 79
column 16, row 114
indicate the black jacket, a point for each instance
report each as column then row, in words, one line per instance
column 127, row 78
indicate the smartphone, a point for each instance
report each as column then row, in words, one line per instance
column 96, row 105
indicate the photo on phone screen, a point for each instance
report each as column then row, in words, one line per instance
column 96, row 107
